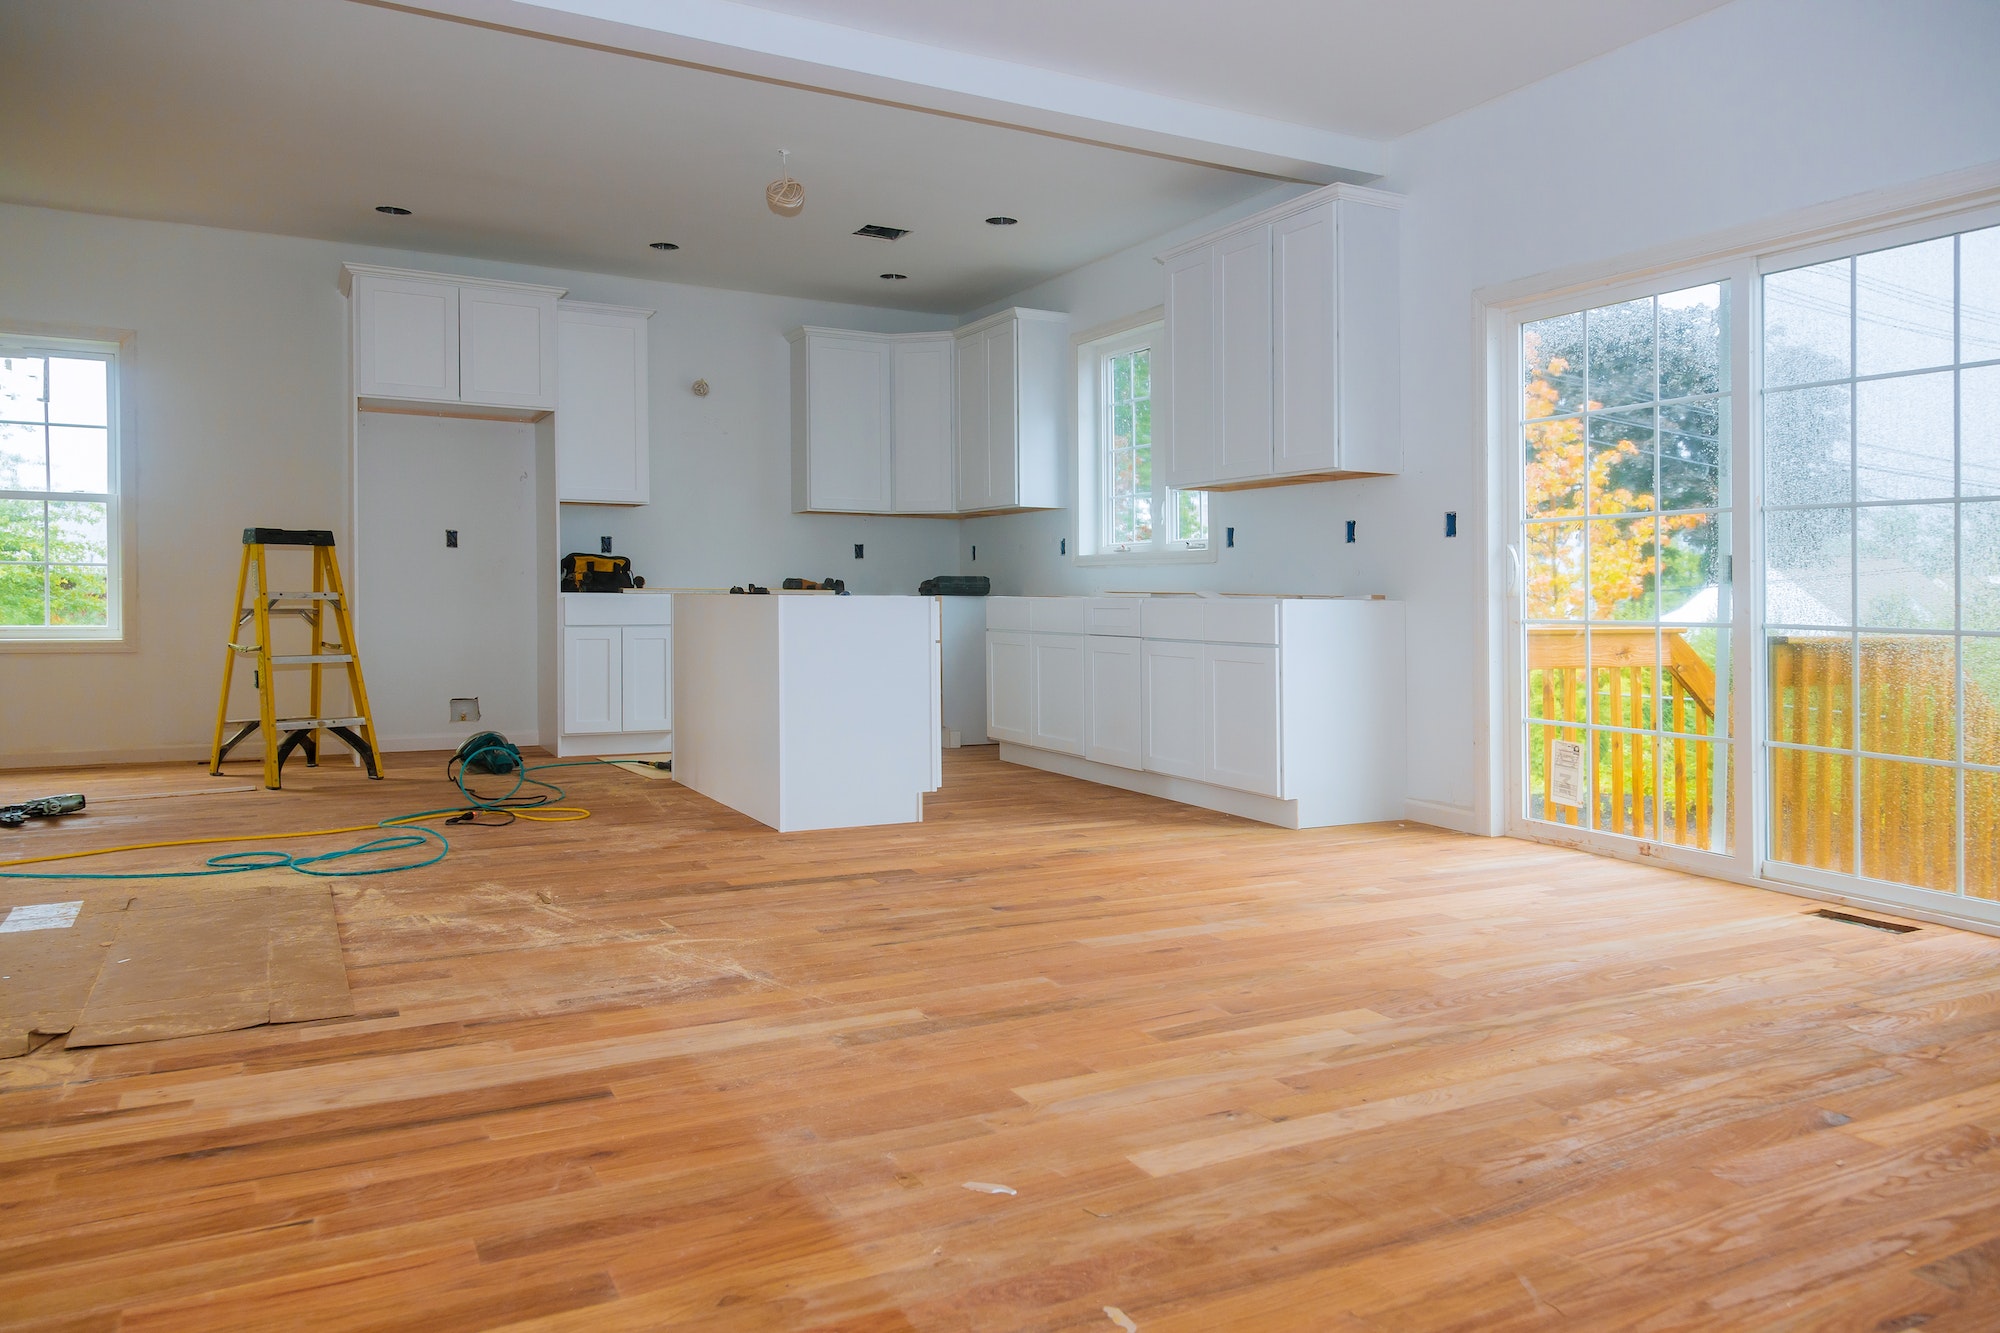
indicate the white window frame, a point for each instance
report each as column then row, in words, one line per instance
column 1962, row 201
column 118, row 631
column 1089, row 542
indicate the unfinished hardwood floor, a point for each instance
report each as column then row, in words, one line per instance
column 665, row 1068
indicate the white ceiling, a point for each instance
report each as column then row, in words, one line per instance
column 1374, row 68
column 513, row 137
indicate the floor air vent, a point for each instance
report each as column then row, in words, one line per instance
column 877, row 231
column 1893, row 927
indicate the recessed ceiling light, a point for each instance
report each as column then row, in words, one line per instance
column 392, row 210
column 875, row 231
column 663, row 245
column 895, row 277
column 1001, row 222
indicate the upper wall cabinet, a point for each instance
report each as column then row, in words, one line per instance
column 1283, row 347
column 602, row 442
column 1011, row 374
column 440, row 339
column 871, row 422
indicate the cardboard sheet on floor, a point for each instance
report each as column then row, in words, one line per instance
column 151, row 962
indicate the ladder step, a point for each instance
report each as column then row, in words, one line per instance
column 303, row 723
column 301, row 596
column 310, row 659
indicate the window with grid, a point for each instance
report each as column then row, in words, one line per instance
column 1881, row 568
column 1624, row 539
column 1136, row 513
column 58, row 491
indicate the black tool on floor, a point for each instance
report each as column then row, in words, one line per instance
column 46, row 807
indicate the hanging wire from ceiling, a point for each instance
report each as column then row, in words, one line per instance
column 785, row 195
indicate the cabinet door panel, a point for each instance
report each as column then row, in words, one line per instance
column 507, row 346
column 1003, row 399
column 1058, row 721
column 1184, row 373
column 1305, row 333
column 602, row 441
column 1243, row 353
column 593, row 685
column 1114, row 714
column 849, row 407
column 1010, row 687
column 1173, row 706
column 405, row 338
column 922, row 433
column 1242, row 716
column 973, row 423
column 648, row 685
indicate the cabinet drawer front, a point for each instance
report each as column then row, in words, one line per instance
column 1173, row 618
column 1056, row 615
column 1113, row 615
column 1008, row 613
column 600, row 608
column 1237, row 620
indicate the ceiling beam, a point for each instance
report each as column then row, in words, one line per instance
column 759, row 43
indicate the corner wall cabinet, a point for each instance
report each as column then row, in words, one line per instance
column 1282, row 352
column 1288, row 710
column 615, row 674
column 428, row 337
column 871, row 422
column 603, row 445
column 1011, row 374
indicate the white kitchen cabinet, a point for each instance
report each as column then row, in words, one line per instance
column 441, row 339
column 647, row 687
column 1243, row 354
column 1011, row 373
column 1059, row 684
column 1283, row 346
column 1113, row 711
column 1174, row 695
column 922, row 429
column 615, row 681
column 1184, row 372
column 1240, row 717
column 507, row 346
column 603, row 444
column 1287, row 710
column 593, row 679
column 841, row 422
column 1010, row 688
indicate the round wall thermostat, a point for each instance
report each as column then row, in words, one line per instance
column 701, row 388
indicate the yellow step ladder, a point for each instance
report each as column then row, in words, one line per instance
column 282, row 735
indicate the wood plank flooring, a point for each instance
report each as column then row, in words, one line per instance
column 665, row 1068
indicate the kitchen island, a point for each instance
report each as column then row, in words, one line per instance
column 808, row 711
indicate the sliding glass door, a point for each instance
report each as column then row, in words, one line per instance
column 1881, row 571
column 1623, row 568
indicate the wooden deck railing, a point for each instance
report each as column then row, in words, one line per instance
column 1629, row 680
column 1908, row 812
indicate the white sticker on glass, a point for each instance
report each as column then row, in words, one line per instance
column 1566, row 773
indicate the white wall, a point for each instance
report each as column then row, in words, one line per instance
column 1744, row 114
column 238, row 380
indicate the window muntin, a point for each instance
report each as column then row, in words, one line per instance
column 1129, row 511
column 1881, row 446
column 58, row 491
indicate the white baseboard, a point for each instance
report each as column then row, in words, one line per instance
column 444, row 741
column 1457, row 818
column 147, row 754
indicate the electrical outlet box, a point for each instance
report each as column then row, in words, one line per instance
column 1229, row 536
column 1064, row 550
column 857, row 550
column 451, row 537
column 975, row 553
column 1350, row 530
column 465, row 710
column 1451, row 523
column 604, row 546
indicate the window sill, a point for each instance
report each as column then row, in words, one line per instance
column 120, row 644
column 1105, row 559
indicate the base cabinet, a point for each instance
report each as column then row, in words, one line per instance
column 1283, row 709
column 1113, row 688
column 615, row 682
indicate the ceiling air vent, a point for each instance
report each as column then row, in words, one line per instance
column 878, row 232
